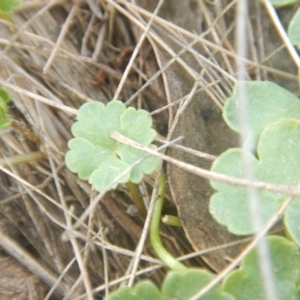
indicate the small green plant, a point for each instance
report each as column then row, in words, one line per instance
column 177, row 285
column 100, row 159
column 243, row 284
column 274, row 129
column 273, row 135
column 96, row 156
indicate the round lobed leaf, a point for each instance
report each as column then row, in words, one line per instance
column 97, row 157
column 267, row 102
column 278, row 162
column 136, row 124
column 177, row 285
column 248, row 282
column 181, row 285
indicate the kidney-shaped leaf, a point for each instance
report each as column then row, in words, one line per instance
column 248, row 282
column 181, row 285
column 278, row 162
column 266, row 102
column 97, row 157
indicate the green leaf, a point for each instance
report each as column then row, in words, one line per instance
column 176, row 285
column 9, row 5
column 294, row 29
column 6, row 122
column 130, row 155
column 278, row 162
column 144, row 290
column 248, row 282
column 184, row 284
column 266, row 103
column 4, row 95
column 3, row 109
column 279, row 3
column 97, row 157
column 137, row 124
column 4, row 100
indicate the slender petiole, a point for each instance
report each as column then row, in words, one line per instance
column 159, row 248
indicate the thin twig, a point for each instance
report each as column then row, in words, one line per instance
column 60, row 39
column 285, row 189
column 274, row 17
column 56, row 105
column 136, row 50
column 13, row 249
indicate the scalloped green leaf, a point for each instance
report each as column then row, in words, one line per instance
column 177, row 285
column 9, row 5
column 148, row 166
column 137, row 124
column 248, row 282
column 97, row 157
column 294, row 29
column 181, row 285
column 278, row 161
column 144, row 290
column 279, row 3
column 267, row 102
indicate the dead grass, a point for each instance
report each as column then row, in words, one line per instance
column 58, row 55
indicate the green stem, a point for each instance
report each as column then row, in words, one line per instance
column 160, row 250
column 137, row 199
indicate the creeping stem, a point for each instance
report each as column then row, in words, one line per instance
column 160, row 250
